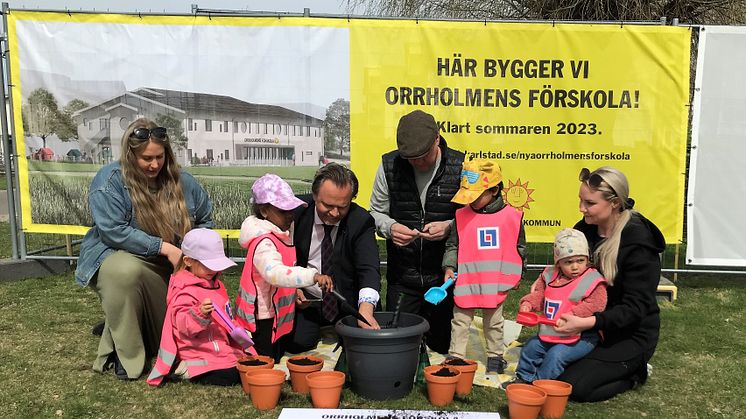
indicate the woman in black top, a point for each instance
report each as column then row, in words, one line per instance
column 626, row 249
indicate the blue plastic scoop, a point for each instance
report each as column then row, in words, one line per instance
column 436, row 294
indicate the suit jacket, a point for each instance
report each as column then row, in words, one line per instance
column 356, row 263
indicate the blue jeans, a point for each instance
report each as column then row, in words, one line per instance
column 546, row 361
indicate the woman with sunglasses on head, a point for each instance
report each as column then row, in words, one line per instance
column 142, row 206
column 625, row 247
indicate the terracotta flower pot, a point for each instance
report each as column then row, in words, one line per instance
column 525, row 401
column 441, row 384
column 325, row 388
column 300, row 366
column 250, row 363
column 557, row 394
column 466, row 380
column 266, row 386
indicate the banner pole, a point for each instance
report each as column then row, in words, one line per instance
column 8, row 146
column 6, row 113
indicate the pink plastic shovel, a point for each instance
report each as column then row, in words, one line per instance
column 238, row 334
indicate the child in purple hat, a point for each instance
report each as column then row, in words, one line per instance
column 189, row 334
column 265, row 304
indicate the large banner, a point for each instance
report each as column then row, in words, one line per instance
column 245, row 96
column 716, row 226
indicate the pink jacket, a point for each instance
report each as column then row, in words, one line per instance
column 187, row 336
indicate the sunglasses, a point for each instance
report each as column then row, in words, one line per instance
column 144, row 133
column 593, row 180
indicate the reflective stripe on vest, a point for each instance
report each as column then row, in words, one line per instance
column 283, row 299
column 560, row 300
column 489, row 264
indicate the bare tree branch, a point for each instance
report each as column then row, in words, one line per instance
column 721, row 12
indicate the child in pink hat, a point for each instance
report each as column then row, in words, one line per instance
column 265, row 304
column 189, row 333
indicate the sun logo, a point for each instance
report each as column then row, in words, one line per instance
column 518, row 195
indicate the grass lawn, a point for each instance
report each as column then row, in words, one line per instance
column 46, row 351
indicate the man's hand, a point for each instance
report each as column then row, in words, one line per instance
column 366, row 309
column 300, row 300
column 402, row 235
column 436, row 230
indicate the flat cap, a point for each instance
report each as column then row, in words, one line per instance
column 416, row 133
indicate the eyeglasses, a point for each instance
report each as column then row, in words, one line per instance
column 144, row 133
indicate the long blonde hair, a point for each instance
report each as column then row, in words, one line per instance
column 162, row 213
column 614, row 188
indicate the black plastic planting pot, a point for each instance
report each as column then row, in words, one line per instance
column 382, row 363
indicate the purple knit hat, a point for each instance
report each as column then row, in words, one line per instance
column 271, row 189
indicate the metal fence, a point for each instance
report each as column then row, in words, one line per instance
column 66, row 247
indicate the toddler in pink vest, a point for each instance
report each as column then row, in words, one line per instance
column 486, row 247
column 568, row 286
column 200, row 347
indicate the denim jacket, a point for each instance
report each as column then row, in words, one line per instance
column 114, row 227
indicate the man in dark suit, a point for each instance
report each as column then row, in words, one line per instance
column 337, row 237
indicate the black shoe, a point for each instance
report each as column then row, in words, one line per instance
column 119, row 371
column 496, row 364
column 515, row 380
column 98, row 328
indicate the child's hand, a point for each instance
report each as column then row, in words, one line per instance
column 205, row 307
column 524, row 308
column 324, row 281
column 560, row 322
column 449, row 274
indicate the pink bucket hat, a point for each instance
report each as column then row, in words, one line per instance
column 206, row 246
column 271, row 189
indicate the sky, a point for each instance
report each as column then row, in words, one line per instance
column 185, row 6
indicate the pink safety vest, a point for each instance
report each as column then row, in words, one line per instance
column 559, row 300
column 488, row 261
column 283, row 299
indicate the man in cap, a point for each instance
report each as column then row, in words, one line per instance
column 411, row 203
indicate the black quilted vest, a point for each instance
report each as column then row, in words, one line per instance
column 419, row 264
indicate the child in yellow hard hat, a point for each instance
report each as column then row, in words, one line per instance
column 486, row 248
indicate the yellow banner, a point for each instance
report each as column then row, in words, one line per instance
column 543, row 100
column 245, row 96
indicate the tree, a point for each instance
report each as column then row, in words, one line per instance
column 337, row 126
column 42, row 115
column 174, row 128
column 687, row 11
column 67, row 127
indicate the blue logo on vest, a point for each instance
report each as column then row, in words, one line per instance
column 551, row 307
column 488, row 238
